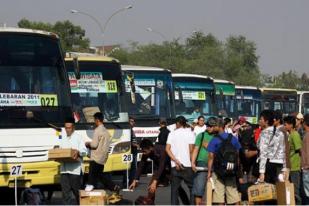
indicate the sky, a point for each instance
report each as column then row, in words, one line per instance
column 278, row 27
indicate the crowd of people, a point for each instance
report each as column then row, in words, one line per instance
column 232, row 155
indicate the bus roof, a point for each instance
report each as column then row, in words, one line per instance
column 191, row 75
column 223, row 81
column 142, row 68
column 91, row 58
column 277, row 89
column 246, row 87
column 29, row 31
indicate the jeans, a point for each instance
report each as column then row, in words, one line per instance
column 306, row 186
column 177, row 176
column 295, row 179
column 96, row 175
column 70, row 184
column 199, row 181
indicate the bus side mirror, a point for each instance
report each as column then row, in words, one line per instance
column 76, row 68
column 180, row 96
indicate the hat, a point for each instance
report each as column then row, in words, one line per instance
column 212, row 121
column 242, row 119
column 300, row 116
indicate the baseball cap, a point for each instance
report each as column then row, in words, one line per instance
column 300, row 116
column 242, row 119
column 211, row 122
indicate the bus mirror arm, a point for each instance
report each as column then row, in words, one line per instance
column 30, row 115
column 76, row 67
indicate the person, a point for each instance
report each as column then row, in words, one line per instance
column 271, row 146
column 228, row 125
column 70, row 172
column 134, row 148
column 200, row 126
column 295, row 147
column 156, row 154
column 179, row 147
column 162, row 138
column 199, row 160
column 99, row 147
column 224, row 186
column 299, row 124
column 305, row 160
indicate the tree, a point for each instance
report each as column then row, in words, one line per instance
column 72, row 37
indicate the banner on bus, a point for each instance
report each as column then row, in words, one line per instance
column 28, row 100
column 91, row 82
column 191, row 95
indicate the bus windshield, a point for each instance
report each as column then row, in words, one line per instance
column 32, row 79
column 153, row 94
column 195, row 100
column 287, row 104
column 305, row 105
column 97, row 90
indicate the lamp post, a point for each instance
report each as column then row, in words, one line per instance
column 165, row 39
column 102, row 28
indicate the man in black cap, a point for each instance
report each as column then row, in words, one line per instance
column 179, row 146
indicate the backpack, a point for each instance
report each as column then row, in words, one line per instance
column 226, row 159
column 31, row 196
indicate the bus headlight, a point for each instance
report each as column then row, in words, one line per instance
column 121, row 147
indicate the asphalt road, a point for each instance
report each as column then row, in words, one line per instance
column 162, row 196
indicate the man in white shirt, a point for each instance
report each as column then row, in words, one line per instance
column 179, row 147
column 71, row 171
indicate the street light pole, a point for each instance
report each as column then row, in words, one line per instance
column 165, row 39
column 102, row 28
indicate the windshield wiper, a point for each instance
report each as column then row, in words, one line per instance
column 30, row 115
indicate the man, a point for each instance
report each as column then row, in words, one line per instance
column 179, row 147
column 70, row 178
column 134, row 147
column 200, row 159
column 224, row 186
column 99, row 147
column 157, row 155
column 295, row 144
column 299, row 124
column 305, row 160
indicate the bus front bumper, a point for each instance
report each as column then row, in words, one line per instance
column 33, row 174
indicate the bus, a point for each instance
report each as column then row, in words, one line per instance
column 279, row 99
column 34, row 102
column 225, row 92
column 100, row 89
column 303, row 102
column 194, row 96
column 149, row 96
column 248, row 103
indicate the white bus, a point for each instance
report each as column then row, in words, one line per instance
column 34, row 102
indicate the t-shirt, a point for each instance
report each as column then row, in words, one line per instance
column 198, row 129
column 203, row 154
column 180, row 139
column 295, row 144
column 214, row 144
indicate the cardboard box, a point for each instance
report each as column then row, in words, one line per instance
column 209, row 191
column 95, row 197
column 262, row 192
column 285, row 193
column 62, row 155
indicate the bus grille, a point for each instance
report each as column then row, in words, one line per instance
column 25, row 154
